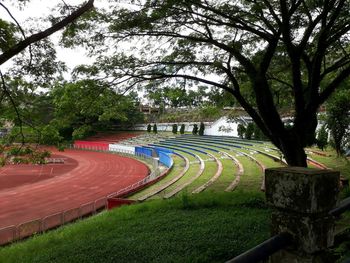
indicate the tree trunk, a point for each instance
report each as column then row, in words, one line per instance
column 293, row 151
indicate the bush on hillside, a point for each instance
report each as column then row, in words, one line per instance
column 182, row 129
column 149, row 128
column 249, row 131
column 155, row 128
column 16, row 160
column 60, row 147
column 258, row 134
column 201, row 129
column 195, row 129
column 322, row 138
column 2, row 148
column 241, row 130
column 174, row 128
column 2, row 161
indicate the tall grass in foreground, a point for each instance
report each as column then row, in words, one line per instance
column 205, row 227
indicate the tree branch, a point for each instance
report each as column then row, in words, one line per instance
column 324, row 95
column 22, row 32
column 43, row 34
column 340, row 63
column 280, row 81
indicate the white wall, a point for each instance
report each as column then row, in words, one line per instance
column 221, row 127
column 121, row 148
column 169, row 126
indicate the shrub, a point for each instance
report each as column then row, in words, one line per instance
column 322, row 138
column 60, row 148
column 201, row 129
column 2, row 148
column 155, row 128
column 45, row 154
column 38, row 157
column 2, row 161
column 182, row 129
column 149, row 128
column 28, row 150
column 19, row 151
column 16, row 160
column 14, row 151
column 258, row 134
column 241, row 130
column 195, row 129
column 175, row 128
column 249, row 131
column 25, row 160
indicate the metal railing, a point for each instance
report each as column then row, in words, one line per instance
column 267, row 248
column 148, row 159
column 39, row 225
column 264, row 250
column 341, row 208
column 153, row 175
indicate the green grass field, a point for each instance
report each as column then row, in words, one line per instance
column 205, row 227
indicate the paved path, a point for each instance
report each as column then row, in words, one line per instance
column 91, row 176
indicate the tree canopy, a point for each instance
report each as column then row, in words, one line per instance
column 91, row 106
column 250, row 49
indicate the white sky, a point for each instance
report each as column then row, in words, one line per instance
column 39, row 9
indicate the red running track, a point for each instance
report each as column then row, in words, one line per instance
column 20, row 174
column 95, row 176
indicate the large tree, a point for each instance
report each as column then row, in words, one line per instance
column 298, row 46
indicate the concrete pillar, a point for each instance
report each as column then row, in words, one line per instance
column 301, row 199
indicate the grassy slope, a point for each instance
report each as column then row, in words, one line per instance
column 179, row 164
column 226, row 178
column 341, row 164
column 209, row 171
column 251, row 178
column 192, row 171
column 200, row 228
